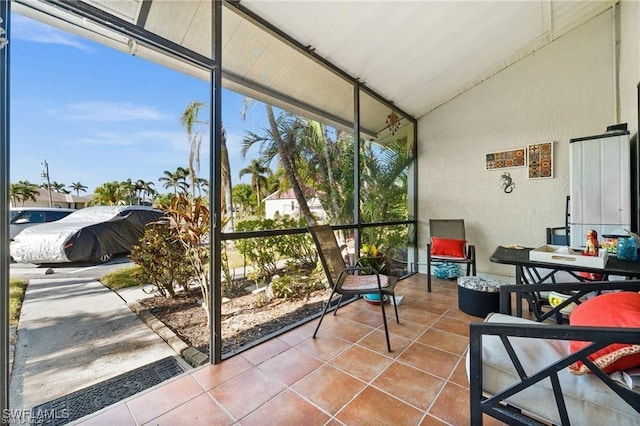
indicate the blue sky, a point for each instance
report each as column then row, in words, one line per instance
column 97, row 115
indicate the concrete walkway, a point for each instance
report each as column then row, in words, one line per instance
column 74, row 333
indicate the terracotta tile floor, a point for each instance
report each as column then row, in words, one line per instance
column 344, row 376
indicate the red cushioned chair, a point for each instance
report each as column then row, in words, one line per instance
column 449, row 244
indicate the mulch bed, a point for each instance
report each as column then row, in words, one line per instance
column 245, row 319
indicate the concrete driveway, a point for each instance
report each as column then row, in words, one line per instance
column 74, row 333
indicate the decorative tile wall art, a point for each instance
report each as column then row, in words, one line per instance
column 505, row 159
column 540, row 158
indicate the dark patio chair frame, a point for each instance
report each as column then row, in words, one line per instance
column 496, row 405
column 336, row 271
column 469, row 249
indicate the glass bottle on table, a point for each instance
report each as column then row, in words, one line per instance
column 627, row 248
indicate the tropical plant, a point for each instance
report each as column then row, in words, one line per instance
column 265, row 252
column 294, row 285
column 260, row 251
column 202, row 186
column 143, row 190
column 129, row 192
column 163, row 201
column 188, row 120
column 275, row 181
column 298, row 248
column 189, row 220
column 384, row 180
column 109, row 194
column 230, row 286
column 259, row 173
column 58, row 187
column 162, row 259
column 372, row 257
column 175, row 180
column 281, row 140
column 77, row 187
column 243, row 197
column 23, row 191
column 328, row 163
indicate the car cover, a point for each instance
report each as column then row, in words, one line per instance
column 86, row 235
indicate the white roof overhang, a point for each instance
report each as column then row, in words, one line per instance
column 419, row 55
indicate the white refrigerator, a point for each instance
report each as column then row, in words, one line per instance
column 600, row 185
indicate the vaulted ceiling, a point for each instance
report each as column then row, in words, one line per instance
column 421, row 54
column 417, row 54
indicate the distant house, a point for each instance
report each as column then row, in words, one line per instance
column 69, row 201
column 284, row 203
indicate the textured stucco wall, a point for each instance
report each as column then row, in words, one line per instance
column 562, row 91
column 629, row 67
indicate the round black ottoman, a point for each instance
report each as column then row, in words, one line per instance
column 479, row 296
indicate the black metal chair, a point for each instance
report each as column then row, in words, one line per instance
column 452, row 229
column 347, row 281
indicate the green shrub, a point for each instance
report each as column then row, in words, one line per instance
column 298, row 247
column 230, row 288
column 162, row 259
column 262, row 251
column 266, row 251
column 294, row 285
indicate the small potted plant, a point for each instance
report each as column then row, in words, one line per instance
column 373, row 259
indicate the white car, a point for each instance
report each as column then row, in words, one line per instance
column 23, row 217
column 92, row 234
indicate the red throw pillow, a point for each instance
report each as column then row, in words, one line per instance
column 621, row 309
column 447, row 247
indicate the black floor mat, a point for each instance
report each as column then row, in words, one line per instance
column 93, row 398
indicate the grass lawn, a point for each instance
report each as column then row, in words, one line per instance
column 122, row 278
column 16, row 295
column 235, row 258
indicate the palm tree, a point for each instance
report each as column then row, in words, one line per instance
column 243, row 196
column 225, row 177
column 384, row 180
column 202, row 185
column 60, row 188
column 281, row 140
column 257, row 170
column 109, row 194
column 189, row 119
column 142, row 189
column 77, row 186
column 22, row 191
column 329, row 165
column 275, row 181
column 128, row 190
column 176, row 180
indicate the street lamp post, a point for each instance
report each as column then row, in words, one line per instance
column 45, row 174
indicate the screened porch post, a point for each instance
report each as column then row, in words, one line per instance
column 5, row 9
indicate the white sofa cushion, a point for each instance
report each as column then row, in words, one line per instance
column 589, row 401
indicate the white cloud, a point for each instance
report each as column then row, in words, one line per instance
column 145, row 140
column 107, row 112
column 176, row 141
column 23, row 28
column 106, row 139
